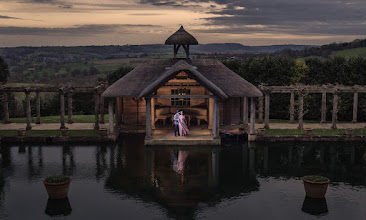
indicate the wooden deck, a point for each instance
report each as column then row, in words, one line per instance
column 200, row 135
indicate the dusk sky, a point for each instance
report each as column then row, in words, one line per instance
column 120, row 22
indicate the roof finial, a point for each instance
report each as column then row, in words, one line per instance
column 181, row 27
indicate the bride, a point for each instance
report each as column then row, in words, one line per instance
column 182, row 123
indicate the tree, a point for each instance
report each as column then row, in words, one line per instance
column 116, row 75
column 4, row 71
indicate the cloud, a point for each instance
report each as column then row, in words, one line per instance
column 82, row 30
column 7, row 17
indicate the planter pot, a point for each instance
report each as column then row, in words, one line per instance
column 21, row 132
column 65, row 132
column 308, row 132
column 103, row 132
column 261, row 131
column 348, row 131
column 57, row 190
column 315, row 189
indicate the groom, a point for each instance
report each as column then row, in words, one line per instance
column 176, row 127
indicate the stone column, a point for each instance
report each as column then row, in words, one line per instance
column 96, row 109
column 69, row 107
column 38, row 107
column 6, row 108
column 62, row 108
column 355, row 106
column 335, row 110
column 28, row 109
column 260, row 110
column 252, row 116
column 148, row 118
column 111, row 116
column 301, row 110
column 101, row 109
column 266, row 110
column 292, row 107
column 324, row 107
column 245, row 111
column 216, row 119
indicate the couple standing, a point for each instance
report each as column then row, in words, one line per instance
column 180, row 124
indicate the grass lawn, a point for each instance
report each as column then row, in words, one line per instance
column 56, row 119
column 325, row 132
column 49, row 133
column 355, row 52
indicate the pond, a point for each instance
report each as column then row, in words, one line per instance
column 236, row 180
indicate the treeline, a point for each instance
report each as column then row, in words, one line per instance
column 323, row 51
column 283, row 71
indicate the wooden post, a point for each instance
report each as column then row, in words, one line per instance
column 355, row 106
column 245, row 113
column 69, row 107
column 324, row 107
column 38, row 108
column 62, row 108
column 101, row 110
column 301, row 110
column 28, row 109
column 6, row 108
column 216, row 119
column 153, row 113
column 210, row 112
column 110, row 114
column 335, row 110
column 260, row 110
column 96, row 109
column 292, row 108
column 266, row 110
column 148, row 118
column 252, row 116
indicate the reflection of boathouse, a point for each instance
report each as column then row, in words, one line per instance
column 208, row 92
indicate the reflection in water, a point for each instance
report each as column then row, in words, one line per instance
column 315, row 206
column 56, row 207
column 181, row 179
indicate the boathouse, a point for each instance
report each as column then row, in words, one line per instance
column 207, row 91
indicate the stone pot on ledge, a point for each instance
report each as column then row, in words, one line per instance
column 65, row 132
column 261, row 131
column 21, row 132
column 348, row 131
column 103, row 132
column 308, row 131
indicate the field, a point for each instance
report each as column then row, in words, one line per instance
column 351, row 52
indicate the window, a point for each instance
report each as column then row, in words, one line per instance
column 181, row 102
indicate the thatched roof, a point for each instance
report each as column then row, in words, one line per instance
column 181, row 37
column 210, row 73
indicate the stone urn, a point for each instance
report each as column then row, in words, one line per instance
column 348, row 131
column 65, row 132
column 21, row 132
column 261, row 131
column 308, row 131
column 57, row 186
column 103, row 132
column 315, row 186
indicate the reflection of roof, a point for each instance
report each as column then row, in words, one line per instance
column 181, row 37
column 210, row 73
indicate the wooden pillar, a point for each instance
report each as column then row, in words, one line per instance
column 266, row 110
column 216, row 119
column 101, row 110
column 355, row 106
column 292, row 108
column 252, row 116
column 210, row 112
column 62, row 108
column 148, row 118
column 28, row 109
column 153, row 113
column 260, row 110
column 38, row 108
column 110, row 114
column 96, row 109
column 301, row 110
column 69, row 107
column 324, row 107
column 335, row 110
column 6, row 108
column 245, row 111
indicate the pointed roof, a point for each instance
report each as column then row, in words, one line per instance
column 181, row 37
column 210, row 73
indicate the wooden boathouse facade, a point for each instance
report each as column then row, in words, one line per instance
column 206, row 91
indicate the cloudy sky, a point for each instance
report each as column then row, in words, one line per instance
column 119, row 22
